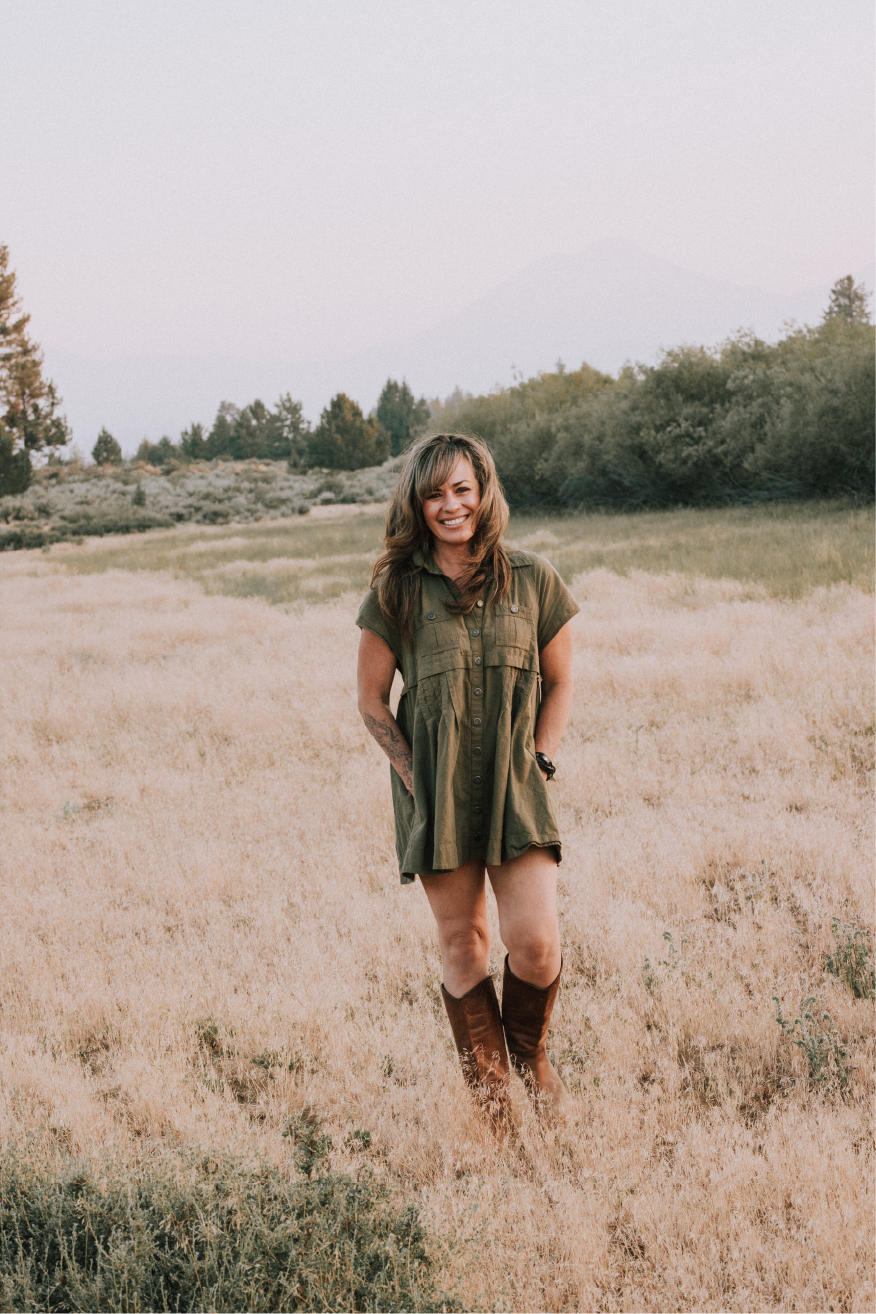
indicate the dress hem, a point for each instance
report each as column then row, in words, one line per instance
column 409, row 877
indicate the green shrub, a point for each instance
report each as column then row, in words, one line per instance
column 817, row 1038
column 851, row 960
column 206, row 1233
column 747, row 422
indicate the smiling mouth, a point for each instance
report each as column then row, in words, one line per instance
column 457, row 520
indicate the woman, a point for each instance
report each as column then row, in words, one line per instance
column 481, row 637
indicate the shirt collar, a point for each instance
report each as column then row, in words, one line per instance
column 425, row 561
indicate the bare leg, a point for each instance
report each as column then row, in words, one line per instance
column 526, row 893
column 458, row 900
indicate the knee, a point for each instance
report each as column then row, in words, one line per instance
column 464, row 945
column 534, row 949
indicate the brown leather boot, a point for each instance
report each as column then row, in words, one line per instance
column 526, row 1014
column 476, row 1024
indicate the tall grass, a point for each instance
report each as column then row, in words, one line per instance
column 786, row 549
column 203, row 937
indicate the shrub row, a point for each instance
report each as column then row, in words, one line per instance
column 746, row 422
column 67, row 502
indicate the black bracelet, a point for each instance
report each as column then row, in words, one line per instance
column 546, row 765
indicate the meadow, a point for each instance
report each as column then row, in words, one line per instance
column 206, row 951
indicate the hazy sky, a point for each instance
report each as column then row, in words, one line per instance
column 296, row 180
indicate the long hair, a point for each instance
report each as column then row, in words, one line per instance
column 428, row 464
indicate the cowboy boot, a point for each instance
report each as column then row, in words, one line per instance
column 526, row 1015
column 476, row 1024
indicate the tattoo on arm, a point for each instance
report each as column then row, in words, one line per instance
column 386, row 732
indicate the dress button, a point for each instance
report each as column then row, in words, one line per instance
column 477, row 661
column 477, row 692
column 477, row 780
column 476, row 751
column 480, row 604
column 475, row 633
column 430, row 615
column 514, row 606
column 476, row 720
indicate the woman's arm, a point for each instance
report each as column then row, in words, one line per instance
column 376, row 671
column 556, row 692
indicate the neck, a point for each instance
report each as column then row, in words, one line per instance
column 451, row 559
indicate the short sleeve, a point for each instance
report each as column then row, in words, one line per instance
column 371, row 618
column 556, row 605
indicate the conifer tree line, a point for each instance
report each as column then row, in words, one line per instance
column 344, row 439
column 747, row 420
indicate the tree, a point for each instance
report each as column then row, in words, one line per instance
column 156, row 453
column 257, row 435
column 848, row 301
column 106, row 450
column 15, row 469
column 345, row 440
column 193, row 444
column 401, row 416
column 294, row 428
column 28, row 402
column 219, row 437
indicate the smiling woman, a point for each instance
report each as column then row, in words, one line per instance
column 481, row 638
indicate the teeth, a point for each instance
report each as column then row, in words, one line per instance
column 457, row 521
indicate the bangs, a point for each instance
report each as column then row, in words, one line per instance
column 435, row 465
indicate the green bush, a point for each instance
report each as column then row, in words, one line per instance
column 206, row 1233
column 851, row 961
column 747, row 422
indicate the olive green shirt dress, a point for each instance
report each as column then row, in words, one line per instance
column 468, row 710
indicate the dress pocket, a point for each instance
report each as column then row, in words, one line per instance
column 509, row 638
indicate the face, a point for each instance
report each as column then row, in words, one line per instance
column 451, row 510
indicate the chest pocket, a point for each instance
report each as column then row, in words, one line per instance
column 442, row 644
column 509, row 637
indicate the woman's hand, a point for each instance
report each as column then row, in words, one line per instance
column 377, row 666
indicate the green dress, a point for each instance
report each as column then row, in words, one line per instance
column 468, row 710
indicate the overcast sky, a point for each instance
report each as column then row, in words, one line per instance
column 291, row 180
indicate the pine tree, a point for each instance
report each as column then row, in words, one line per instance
column 193, row 444
column 294, row 428
column 15, row 469
column 219, row 438
column 401, row 416
column 106, row 451
column 848, row 301
column 345, row 440
column 28, row 402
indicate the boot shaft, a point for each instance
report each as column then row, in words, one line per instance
column 476, row 1024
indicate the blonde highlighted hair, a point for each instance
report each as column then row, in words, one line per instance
column 428, row 464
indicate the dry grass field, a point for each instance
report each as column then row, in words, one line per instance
column 202, row 931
